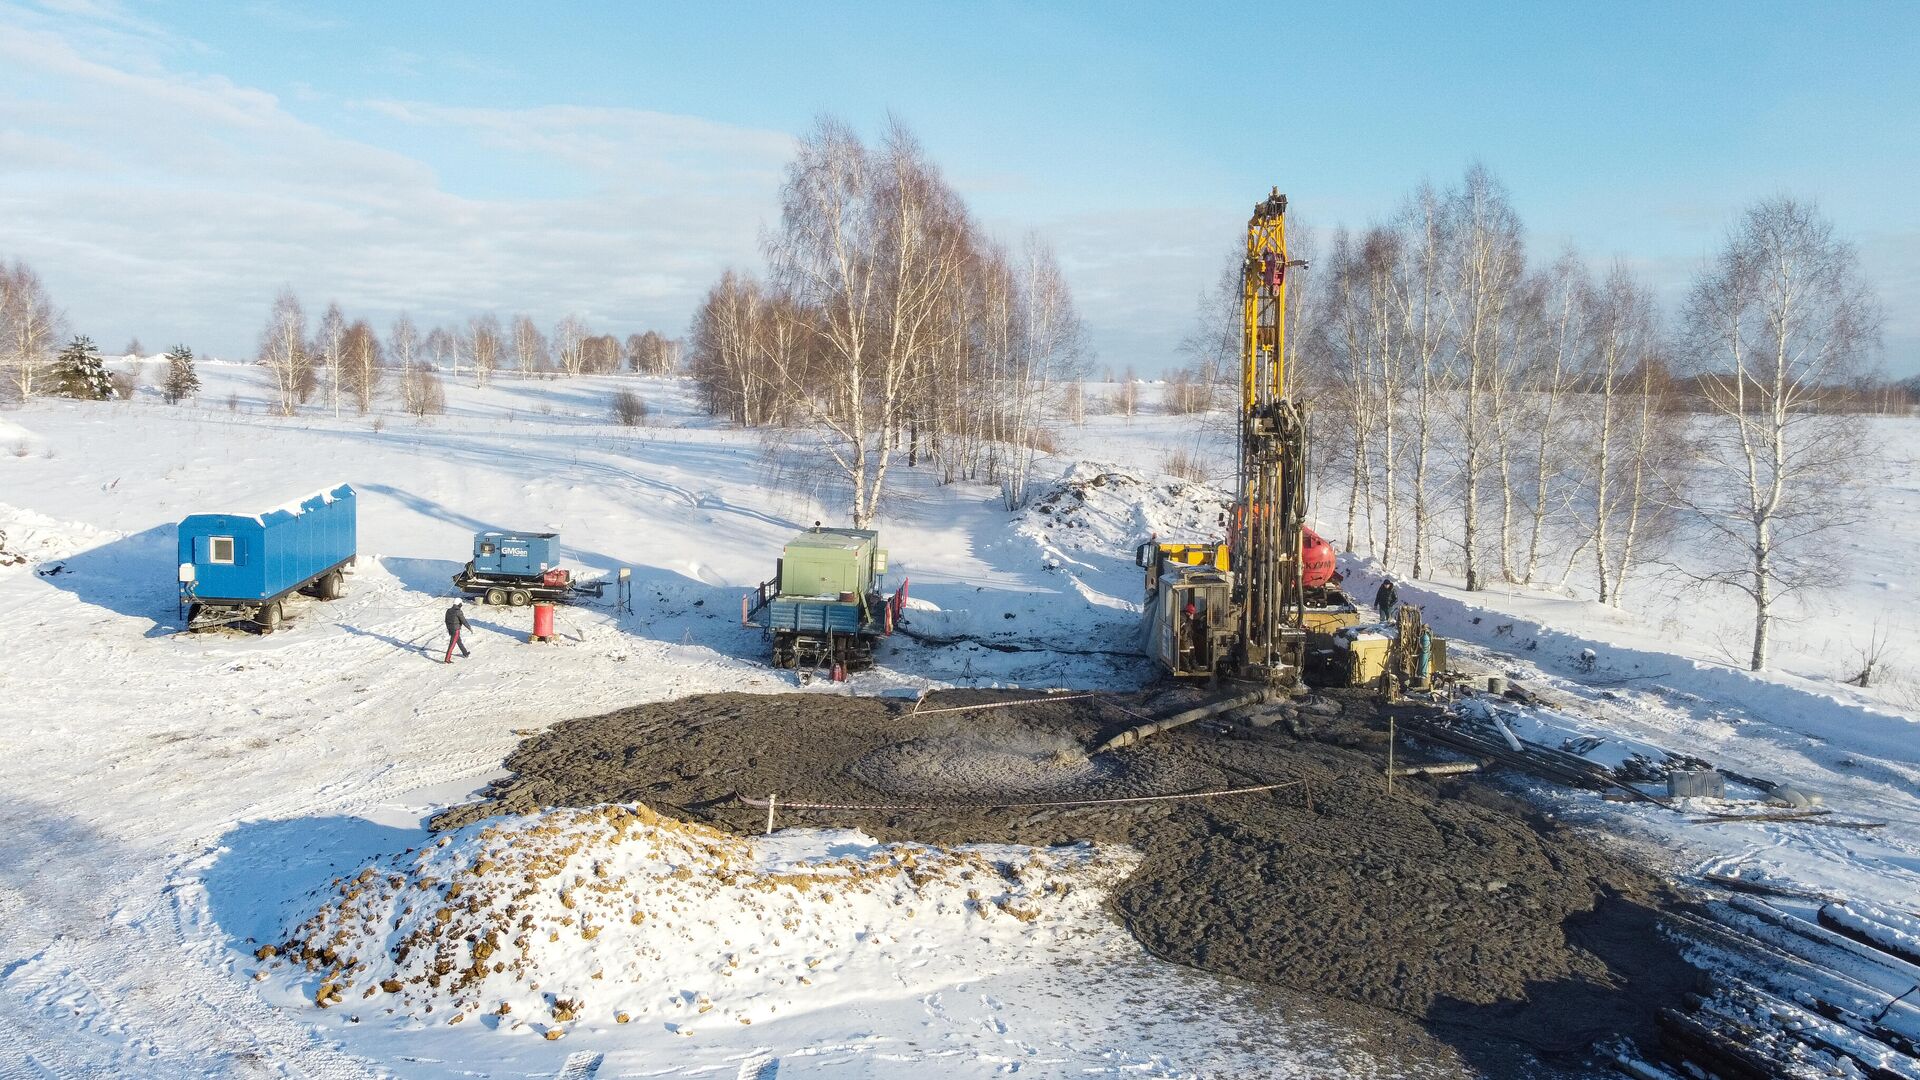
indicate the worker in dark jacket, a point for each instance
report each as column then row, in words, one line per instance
column 1384, row 599
column 456, row 622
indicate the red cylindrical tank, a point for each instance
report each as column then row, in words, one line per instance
column 542, row 622
column 1317, row 561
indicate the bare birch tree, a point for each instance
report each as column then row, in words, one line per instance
column 869, row 241
column 600, row 354
column 30, row 324
column 403, row 341
column 649, row 353
column 360, row 348
column 283, row 351
column 1778, row 319
column 1488, row 259
column 1051, row 347
column 726, row 349
column 329, row 343
column 485, row 346
column 442, row 349
column 1619, row 326
column 1427, row 322
column 569, row 334
column 1561, row 290
column 529, row 346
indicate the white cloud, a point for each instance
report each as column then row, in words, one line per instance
column 174, row 205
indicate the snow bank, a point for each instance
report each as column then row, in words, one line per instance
column 28, row 537
column 1105, row 511
column 1768, row 696
column 1060, row 573
column 613, row 914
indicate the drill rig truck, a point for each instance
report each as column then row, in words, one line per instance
column 1243, row 609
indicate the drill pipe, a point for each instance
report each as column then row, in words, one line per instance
column 1154, row 727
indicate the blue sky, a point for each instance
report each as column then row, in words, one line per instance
column 168, row 167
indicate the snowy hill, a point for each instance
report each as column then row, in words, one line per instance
column 174, row 802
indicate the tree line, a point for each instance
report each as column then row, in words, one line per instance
column 1511, row 418
column 345, row 364
column 888, row 327
column 348, row 362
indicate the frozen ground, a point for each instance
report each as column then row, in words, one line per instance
column 167, row 797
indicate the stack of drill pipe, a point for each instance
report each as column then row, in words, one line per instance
column 1734, row 1050
column 1137, row 733
column 1540, row 760
column 1890, row 931
column 1767, row 950
column 1731, row 998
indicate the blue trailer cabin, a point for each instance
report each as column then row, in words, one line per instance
column 239, row 566
column 513, row 554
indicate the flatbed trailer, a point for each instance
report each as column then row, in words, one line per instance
column 512, row 591
column 514, row 569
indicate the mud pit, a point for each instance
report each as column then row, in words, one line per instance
column 1450, row 904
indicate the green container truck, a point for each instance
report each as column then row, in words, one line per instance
column 824, row 607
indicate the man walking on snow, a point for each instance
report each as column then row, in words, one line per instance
column 456, row 622
column 1385, row 597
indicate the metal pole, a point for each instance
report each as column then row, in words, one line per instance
column 770, row 801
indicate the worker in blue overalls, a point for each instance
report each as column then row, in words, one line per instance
column 456, row 622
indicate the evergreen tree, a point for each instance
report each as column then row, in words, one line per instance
column 78, row 372
column 182, row 381
column 134, row 349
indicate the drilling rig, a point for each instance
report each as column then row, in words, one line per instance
column 1242, row 609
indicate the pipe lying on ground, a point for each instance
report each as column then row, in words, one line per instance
column 1136, row 734
column 1438, row 768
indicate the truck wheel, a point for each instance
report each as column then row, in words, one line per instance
column 521, row 598
column 330, row 586
column 496, row 597
column 270, row 617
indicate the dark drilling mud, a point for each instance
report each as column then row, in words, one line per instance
column 1449, row 903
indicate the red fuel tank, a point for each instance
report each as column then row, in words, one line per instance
column 1317, row 561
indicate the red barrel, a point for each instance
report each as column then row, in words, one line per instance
column 542, row 622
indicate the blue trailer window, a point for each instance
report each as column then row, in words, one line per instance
column 220, row 550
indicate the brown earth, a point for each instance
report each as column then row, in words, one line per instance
column 1449, row 903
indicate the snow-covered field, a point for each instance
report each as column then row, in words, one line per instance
column 170, row 803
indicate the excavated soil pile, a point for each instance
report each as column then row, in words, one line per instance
column 1451, row 904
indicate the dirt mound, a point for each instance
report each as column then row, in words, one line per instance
column 1449, row 904
column 1097, row 509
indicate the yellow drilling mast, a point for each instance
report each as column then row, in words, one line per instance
column 1239, row 609
column 1264, row 540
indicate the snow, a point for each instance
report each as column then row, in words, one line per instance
column 170, row 796
column 297, row 507
column 591, row 918
column 38, row 538
column 172, row 802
